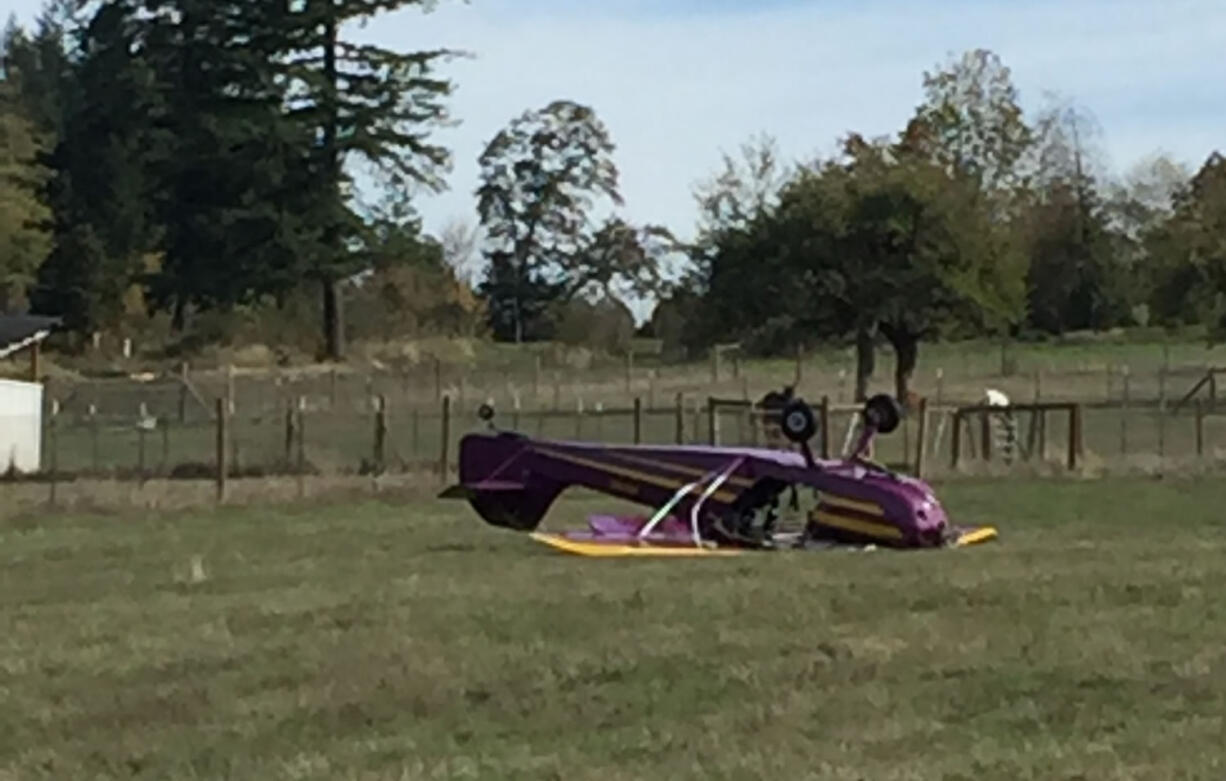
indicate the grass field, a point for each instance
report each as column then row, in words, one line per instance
column 402, row 641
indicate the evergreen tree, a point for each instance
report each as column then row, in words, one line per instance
column 233, row 178
column 102, row 192
column 363, row 104
column 25, row 237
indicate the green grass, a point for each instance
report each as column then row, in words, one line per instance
column 405, row 641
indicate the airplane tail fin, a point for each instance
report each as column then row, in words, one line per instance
column 498, row 488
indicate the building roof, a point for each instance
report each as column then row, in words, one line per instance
column 20, row 331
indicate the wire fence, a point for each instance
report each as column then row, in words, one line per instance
column 227, row 424
column 300, row 440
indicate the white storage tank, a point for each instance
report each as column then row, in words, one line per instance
column 21, row 426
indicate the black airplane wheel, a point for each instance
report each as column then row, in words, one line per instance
column 884, row 412
column 798, row 422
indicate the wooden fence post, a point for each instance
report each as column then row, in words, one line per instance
column 638, row 420
column 629, row 370
column 712, row 422
column 416, row 432
column 380, row 433
column 53, row 446
column 824, row 422
column 800, row 364
column 165, row 426
column 93, row 438
column 290, row 436
column 184, row 379
column 1200, row 428
column 921, row 438
column 1161, row 411
column 1125, row 398
column 955, row 443
column 301, row 430
column 1212, row 390
column 222, row 450
column 680, row 419
column 140, row 451
column 1074, row 435
column 985, row 435
column 446, row 438
column 1042, row 435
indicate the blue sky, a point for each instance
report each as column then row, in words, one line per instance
column 679, row 81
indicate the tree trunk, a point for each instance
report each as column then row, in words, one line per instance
column 178, row 320
column 334, row 320
column 865, row 360
column 906, row 356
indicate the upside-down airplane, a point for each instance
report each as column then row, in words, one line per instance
column 709, row 501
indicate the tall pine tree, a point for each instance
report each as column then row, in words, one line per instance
column 363, row 103
column 102, row 189
column 24, row 217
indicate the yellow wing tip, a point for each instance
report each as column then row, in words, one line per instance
column 976, row 536
column 607, row 550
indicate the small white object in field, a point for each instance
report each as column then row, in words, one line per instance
column 996, row 398
column 198, row 574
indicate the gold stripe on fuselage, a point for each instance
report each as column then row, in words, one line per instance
column 725, row 497
column 879, row 531
column 842, row 502
column 744, row 482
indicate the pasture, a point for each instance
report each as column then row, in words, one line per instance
column 402, row 639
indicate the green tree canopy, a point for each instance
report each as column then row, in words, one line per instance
column 540, row 178
column 25, row 236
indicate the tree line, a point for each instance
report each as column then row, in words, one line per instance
column 186, row 159
column 972, row 220
column 199, row 156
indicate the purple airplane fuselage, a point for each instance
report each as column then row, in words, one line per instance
column 511, row 481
